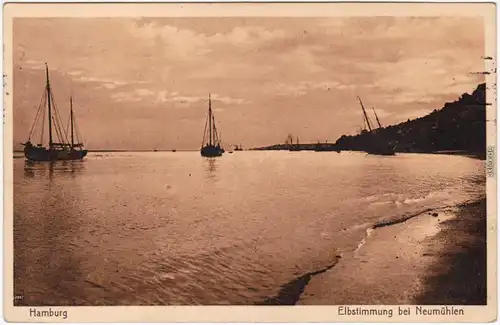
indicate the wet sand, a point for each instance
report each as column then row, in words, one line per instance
column 438, row 257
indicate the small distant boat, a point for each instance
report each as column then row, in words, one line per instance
column 173, row 150
column 211, row 144
column 61, row 149
column 240, row 148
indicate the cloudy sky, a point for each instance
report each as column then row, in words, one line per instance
column 144, row 83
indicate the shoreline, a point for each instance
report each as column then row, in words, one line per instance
column 460, row 277
column 307, row 147
column 437, row 257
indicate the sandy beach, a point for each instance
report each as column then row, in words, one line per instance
column 438, row 257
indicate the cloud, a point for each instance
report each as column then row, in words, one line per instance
column 180, row 43
column 228, row 100
column 423, row 80
column 144, row 92
column 35, row 64
column 305, row 87
column 237, row 36
column 75, row 73
column 125, row 97
column 186, row 45
column 163, row 96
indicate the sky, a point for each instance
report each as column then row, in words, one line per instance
column 143, row 83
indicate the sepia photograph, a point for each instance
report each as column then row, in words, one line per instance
column 195, row 157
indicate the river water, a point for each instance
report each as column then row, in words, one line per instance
column 165, row 228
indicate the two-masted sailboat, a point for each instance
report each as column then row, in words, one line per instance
column 62, row 149
column 211, row 144
column 376, row 145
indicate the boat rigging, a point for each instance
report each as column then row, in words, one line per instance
column 211, row 144
column 62, row 149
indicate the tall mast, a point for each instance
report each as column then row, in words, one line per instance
column 216, row 136
column 379, row 125
column 366, row 116
column 71, row 118
column 210, row 120
column 49, row 102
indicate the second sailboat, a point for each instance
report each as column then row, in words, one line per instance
column 211, row 145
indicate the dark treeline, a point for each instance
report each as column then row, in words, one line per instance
column 459, row 126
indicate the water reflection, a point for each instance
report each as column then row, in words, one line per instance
column 51, row 168
column 44, row 230
column 28, row 169
column 63, row 273
column 211, row 168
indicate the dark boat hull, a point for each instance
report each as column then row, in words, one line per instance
column 42, row 154
column 211, row 151
column 336, row 150
column 380, row 147
column 381, row 151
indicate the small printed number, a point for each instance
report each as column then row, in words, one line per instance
column 490, row 161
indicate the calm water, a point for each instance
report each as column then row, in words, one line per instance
column 176, row 228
